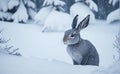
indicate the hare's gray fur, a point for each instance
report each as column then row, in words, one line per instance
column 81, row 51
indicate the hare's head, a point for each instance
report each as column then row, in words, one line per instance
column 72, row 36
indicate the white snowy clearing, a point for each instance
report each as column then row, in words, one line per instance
column 45, row 53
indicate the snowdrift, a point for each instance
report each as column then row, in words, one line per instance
column 21, row 65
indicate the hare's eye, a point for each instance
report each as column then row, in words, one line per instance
column 72, row 35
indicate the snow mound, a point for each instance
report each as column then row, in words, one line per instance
column 57, row 21
column 114, row 16
column 21, row 10
column 22, row 65
column 82, row 10
column 41, row 16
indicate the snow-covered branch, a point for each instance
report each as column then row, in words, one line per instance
column 5, row 49
column 21, row 14
column 13, row 3
column 29, row 3
column 5, row 15
column 113, row 2
column 92, row 5
column 55, row 2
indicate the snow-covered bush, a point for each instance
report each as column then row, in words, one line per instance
column 82, row 10
column 48, row 6
column 41, row 16
column 52, row 16
column 114, row 15
column 57, row 21
column 5, row 49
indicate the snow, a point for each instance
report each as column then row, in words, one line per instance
column 113, row 2
column 3, row 5
column 29, row 3
column 92, row 5
column 32, row 42
column 52, row 20
column 82, row 10
column 22, row 65
column 13, row 3
column 21, row 10
column 43, row 13
column 57, row 21
column 56, row 2
column 5, row 15
column 31, row 13
column 113, row 69
column 45, row 52
column 114, row 16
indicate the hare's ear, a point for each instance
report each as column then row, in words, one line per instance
column 74, row 23
column 84, row 23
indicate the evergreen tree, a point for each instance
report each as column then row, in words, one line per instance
column 11, row 10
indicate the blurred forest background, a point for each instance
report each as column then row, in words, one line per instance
column 12, row 10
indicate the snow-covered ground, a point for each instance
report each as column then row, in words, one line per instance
column 42, row 51
column 21, row 65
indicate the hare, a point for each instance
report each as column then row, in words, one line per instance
column 81, row 51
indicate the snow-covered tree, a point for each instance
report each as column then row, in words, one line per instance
column 23, row 9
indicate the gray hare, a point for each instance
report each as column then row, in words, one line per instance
column 81, row 51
